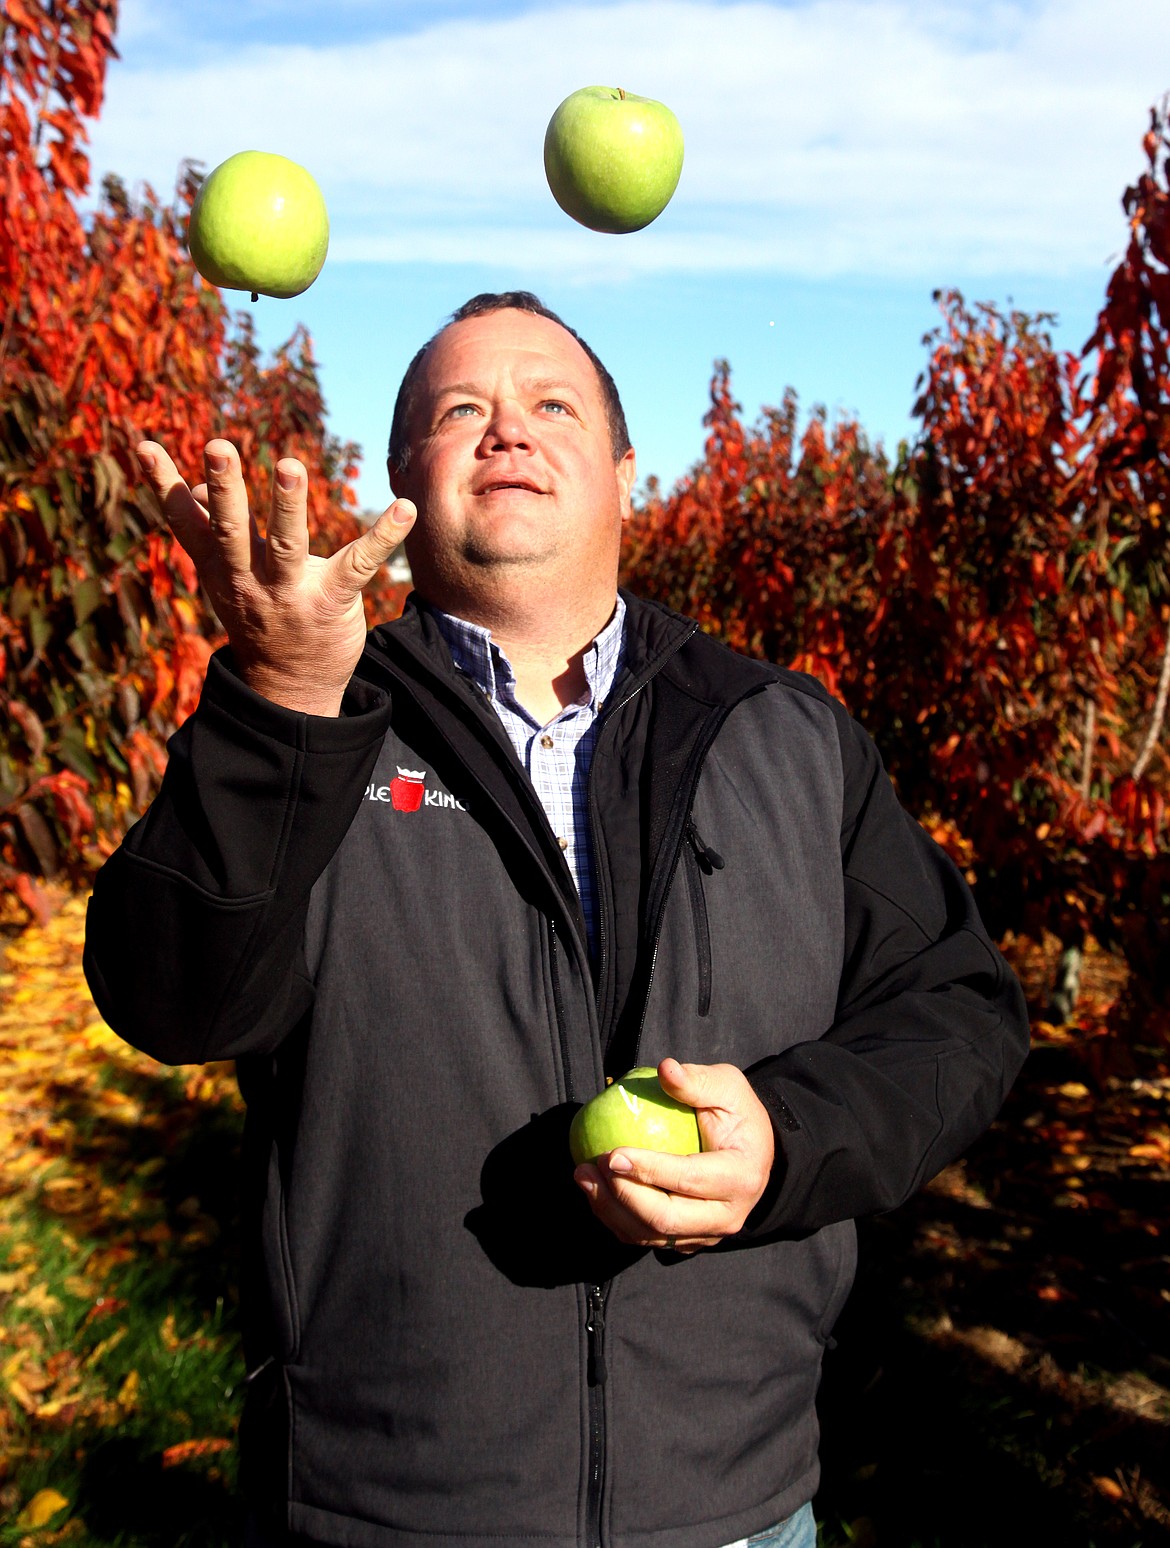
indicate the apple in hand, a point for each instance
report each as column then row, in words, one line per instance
column 259, row 223
column 612, row 159
column 634, row 1111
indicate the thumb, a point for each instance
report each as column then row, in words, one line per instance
column 365, row 555
column 395, row 522
column 731, row 1116
column 694, row 1084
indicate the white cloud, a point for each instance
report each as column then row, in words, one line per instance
column 870, row 137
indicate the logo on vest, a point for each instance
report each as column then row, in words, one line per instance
column 409, row 791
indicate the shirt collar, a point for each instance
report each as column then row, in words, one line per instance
column 475, row 653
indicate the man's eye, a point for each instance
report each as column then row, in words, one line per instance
column 460, row 409
column 555, row 403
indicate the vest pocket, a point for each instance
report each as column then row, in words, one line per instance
column 283, row 1332
column 844, row 1234
column 701, row 862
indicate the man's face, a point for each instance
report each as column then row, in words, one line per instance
column 511, row 464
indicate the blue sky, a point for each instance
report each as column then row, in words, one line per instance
column 844, row 159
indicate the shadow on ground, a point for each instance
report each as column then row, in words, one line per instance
column 1002, row 1369
column 165, row 1192
column 127, row 1496
column 184, row 1161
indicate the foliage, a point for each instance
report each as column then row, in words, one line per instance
column 993, row 603
column 994, row 606
column 108, row 337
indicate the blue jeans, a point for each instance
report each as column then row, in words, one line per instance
column 798, row 1531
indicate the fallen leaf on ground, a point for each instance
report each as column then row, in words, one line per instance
column 184, row 1451
column 41, row 1509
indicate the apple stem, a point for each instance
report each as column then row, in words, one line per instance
column 621, row 95
column 255, row 295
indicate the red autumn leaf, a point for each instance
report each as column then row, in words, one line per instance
column 187, row 1451
column 21, row 14
column 104, row 1306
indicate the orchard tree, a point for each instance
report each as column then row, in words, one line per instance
column 1131, row 350
column 109, row 337
column 993, row 606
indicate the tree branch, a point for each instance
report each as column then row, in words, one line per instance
column 51, row 59
column 1159, row 716
column 1090, row 742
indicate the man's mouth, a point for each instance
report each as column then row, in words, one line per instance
column 498, row 485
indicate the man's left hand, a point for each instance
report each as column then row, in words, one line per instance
column 651, row 1199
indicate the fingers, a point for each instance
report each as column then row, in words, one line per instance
column 212, row 520
column 712, row 1175
column 227, row 506
column 358, row 562
column 692, row 1198
column 652, row 1198
column 651, row 1218
column 286, row 541
column 184, row 514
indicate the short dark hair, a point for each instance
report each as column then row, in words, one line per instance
column 480, row 306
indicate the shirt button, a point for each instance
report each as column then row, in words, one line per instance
column 546, row 741
column 564, row 843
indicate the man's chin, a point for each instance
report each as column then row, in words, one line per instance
column 504, row 557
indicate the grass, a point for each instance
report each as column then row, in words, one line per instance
column 120, row 1360
column 1001, row 1375
column 119, row 1341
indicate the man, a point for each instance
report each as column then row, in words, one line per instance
column 429, row 887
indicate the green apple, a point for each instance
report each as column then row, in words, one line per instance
column 259, row 223
column 612, row 159
column 635, row 1111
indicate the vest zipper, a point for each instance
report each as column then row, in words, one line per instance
column 703, row 861
column 595, row 1329
column 602, row 880
column 559, row 1007
column 690, row 780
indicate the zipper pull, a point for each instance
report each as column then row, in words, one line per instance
column 595, row 1327
column 708, row 859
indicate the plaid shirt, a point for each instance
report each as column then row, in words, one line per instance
column 555, row 757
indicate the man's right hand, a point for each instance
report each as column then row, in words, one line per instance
column 296, row 622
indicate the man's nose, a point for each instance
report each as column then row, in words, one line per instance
column 507, row 428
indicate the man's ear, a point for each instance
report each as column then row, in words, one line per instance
column 397, row 480
column 627, row 472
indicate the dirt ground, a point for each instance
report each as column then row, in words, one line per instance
column 1002, row 1370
